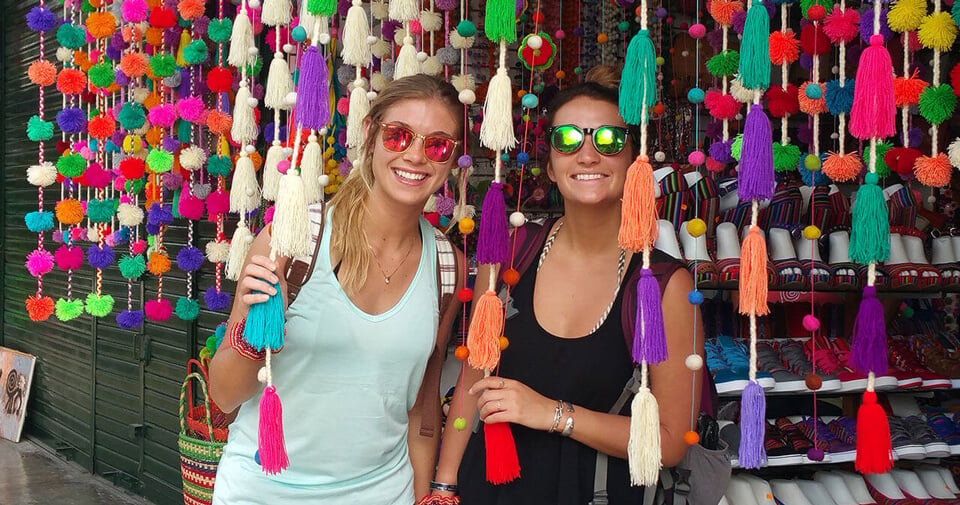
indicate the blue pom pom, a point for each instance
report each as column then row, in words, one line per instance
column 298, row 34
column 523, row 158
column 809, row 177
column 38, row 221
column 189, row 259
column 41, row 19
column 529, row 100
column 839, row 99
column 160, row 215
column 100, row 257
column 72, row 120
column 696, row 95
column 813, row 91
column 216, row 300
column 130, row 319
column 265, row 321
column 695, row 297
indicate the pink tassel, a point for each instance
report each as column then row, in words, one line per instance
column 873, row 112
column 271, row 447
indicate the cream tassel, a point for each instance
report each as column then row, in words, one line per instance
column 239, row 246
column 290, row 235
column 310, row 170
column 279, row 83
column 359, row 107
column 244, row 192
column 244, row 128
column 276, row 12
column 407, row 63
column 241, row 40
column 271, row 176
column 356, row 50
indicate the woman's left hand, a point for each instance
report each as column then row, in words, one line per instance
column 507, row 400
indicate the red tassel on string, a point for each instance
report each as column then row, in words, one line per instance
column 502, row 463
column 272, row 449
column 874, row 452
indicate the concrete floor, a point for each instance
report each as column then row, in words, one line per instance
column 31, row 476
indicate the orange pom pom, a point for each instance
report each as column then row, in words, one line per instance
column 483, row 337
column 933, row 171
column 154, row 36
column 159, row 263
column 842, row 168
column 190, row 9
column 42, row 73
column 101, row 24
column 256, row 159
column 219, row 123
column 638, row 214
column 69, row 211
column 658, row 109
column 153, row 136
column 39, row 308
column 71, row 81
column 462, row 352
column 813, row 382
column 151, row 101
column 133, row 65
column 753, row 274
column 82, row 60
column 101, row 127
column 809, row 105
column 906, row 91
column 691, row 438
column 723, row 10
column 784, row 47
column 510, row 277
column 504, row 343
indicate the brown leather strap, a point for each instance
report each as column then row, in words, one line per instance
column 299, row 270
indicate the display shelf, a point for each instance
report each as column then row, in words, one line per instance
column 955, row 385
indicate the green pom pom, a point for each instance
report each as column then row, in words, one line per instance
column 159, row 161
column 38, row 129
column 67, row 310
column 134, row 186
column 499, row 20
column 196, row 52
column 256, row 67
column 870, row 233
column 212, row 342
column 187, row 309
column 466, row 28
column 735, row 146
column 99, row 305
column 882, row 169
column 219, row 30
column 325, row 8
column 71, row 165
column 87, row 7
column 100, row 211
column 101, row 75
column 724, row 64
column 219, row 165
column 163, row 65
column 132, row 267
column 132, row 116
column 71, row 36
column 786, row 157
column 806, row 4
column 937, row 103
column 460, row 424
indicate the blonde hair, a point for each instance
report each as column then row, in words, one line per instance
column 348, row 239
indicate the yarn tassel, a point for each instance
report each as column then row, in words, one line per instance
column 241, row 40
column 639, row 74
column 874, row 451
column 265, row 321
column 310, row 170
column 755, row 50
column 496, row 130
column 356, row 50
column 753, row 274
column 644, row 454
column 649, row 337
column 239, row 246
column 638, row 213
column 869, row 346
column 874, row 110
column 244, row 127
column 313, row 90
column 276, row 12
column 270, row 444
column 870, row 233
column 271, row 176
column 403, row 10
column 359, row 107
column 407, row 63
column 503, row 465
column 493, row 243
column 499, row 20
column 279, row 83
column 753, row 412
column 290, row 233
column 756, row 178
column 483, row 336
column 244, row 191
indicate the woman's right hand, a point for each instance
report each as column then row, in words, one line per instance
column 257, row 284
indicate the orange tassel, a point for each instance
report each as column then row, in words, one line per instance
column 753, row 274
column 638, row 215
column 483, row 337
column 39, row 308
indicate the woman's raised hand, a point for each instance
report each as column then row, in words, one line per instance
column 257, row 283
column 508, row 400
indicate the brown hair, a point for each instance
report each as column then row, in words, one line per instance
column 348, row 239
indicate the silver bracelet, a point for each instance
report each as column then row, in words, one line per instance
column 557, row 414
column 568, row 425
column 440, row 486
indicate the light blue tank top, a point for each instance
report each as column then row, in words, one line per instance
column 346, row 379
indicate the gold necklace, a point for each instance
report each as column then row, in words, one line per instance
column 386, row 278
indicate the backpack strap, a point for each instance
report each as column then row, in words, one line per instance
column 300, row 269
column 529, row 240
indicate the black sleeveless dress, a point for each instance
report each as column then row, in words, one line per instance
column 589, row 372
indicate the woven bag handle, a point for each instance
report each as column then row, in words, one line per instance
column 203, row 369
column 183, row 402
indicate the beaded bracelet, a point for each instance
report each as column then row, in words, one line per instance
column 433, row 499
column 243, row 348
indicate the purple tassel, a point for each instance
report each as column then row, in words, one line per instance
column 100, row 257
column 756, row 177
column 189, row 259
column 870, row 335
column 313, row 90
column 649, row 338
column 216, row 300
column 130, row 319
column 493, row 243
column 753, row 424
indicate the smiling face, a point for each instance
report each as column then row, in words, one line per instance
column 409, row 177
column 586, row 176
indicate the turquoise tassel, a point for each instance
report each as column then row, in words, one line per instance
column 639, row 74
column 265, row 321
column 870, row 233
column 755, row 50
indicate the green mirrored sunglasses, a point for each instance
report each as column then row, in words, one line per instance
column 607, row 140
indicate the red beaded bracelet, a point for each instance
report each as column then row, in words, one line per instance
column 243, row 348
column 433, row 499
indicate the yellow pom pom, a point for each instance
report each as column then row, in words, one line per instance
column 132, row 144
column 466, row 226
column 906, row 15
column 937, row 31
column 812, row 162
column 811, row 232
column 696, row 227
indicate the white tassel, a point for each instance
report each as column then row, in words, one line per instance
column 239, row 246
column 359, row 107
column 276, row 12
column 310, row 166
column 403, row 10
column 430, row 21
column 279, row 83
column 290, row 233
column 643, row 449
column 271, row 176
column 129, row 215
column 42, row 175
column 496, row 131
column 244, row 128
column 244, row 192
column 241, row 40
column 356, row 50
column 407, row 63
column 218, row 252
column 432, row 66
column 954, row 153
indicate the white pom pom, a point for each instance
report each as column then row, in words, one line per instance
column 253, row 102
column 289, row 48
column 271, row 177
column 64, row 55
column 218, row 252
column 139, row 94
column 431, row 66
column 291, row 98
column 323, row 39
column 129, row 215
column 253, row 4
column 517, row 219
column 262, row 375
column 954, row 153
column 276, row 12
column 693, row 362
column 359, row 107
column 287, row 152
column 290, row 235
column 459, row 42
column 739, row 117
column 496, row 131
column 379, row 10
column 239, row 246
column 932, row 199
column 380, row 48
column 322, row 131
column 241, row 40
column 422, row 56
column 371, row 95
column 244, row 192
column 42, row 175
column 403, row 10
column 659, row 156
column 192, row 158
column 310, row 169
column 740, row 93
column 253, row 51
column 323, row 180
column 244, row 128
column 378, row 81
column 399, row 37
column 535, row 42
column 93, row 235
column 463, row 81
column 467, row 97
column 407, row 63
column 430, row 21
column 372, row 39
column 279, row 84
column 356, row 49
column 249, row 149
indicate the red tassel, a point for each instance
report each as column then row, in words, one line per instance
column 273, row 451
column 874, row 453
column 502, row 463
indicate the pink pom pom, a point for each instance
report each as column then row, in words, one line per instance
column 163, row 115
column 125, row 199
column 138, row 246
column 68, row 257
column 78, row 233
column 158, row 310
column 415, row 27
column 268, row 214
column 119, row 182
column 191, row 109
column 87, row 154
column 811, row 323
column 96, row 177
column 697, row 30
column 283, row 166
column 696, row 158
column 134, row 11
column 218, row 202
column 190, row 206
column 343, row 105
column 842, row 25
column 714, row 165
column 721, row 106
column 110, row 240
column 39, row 262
